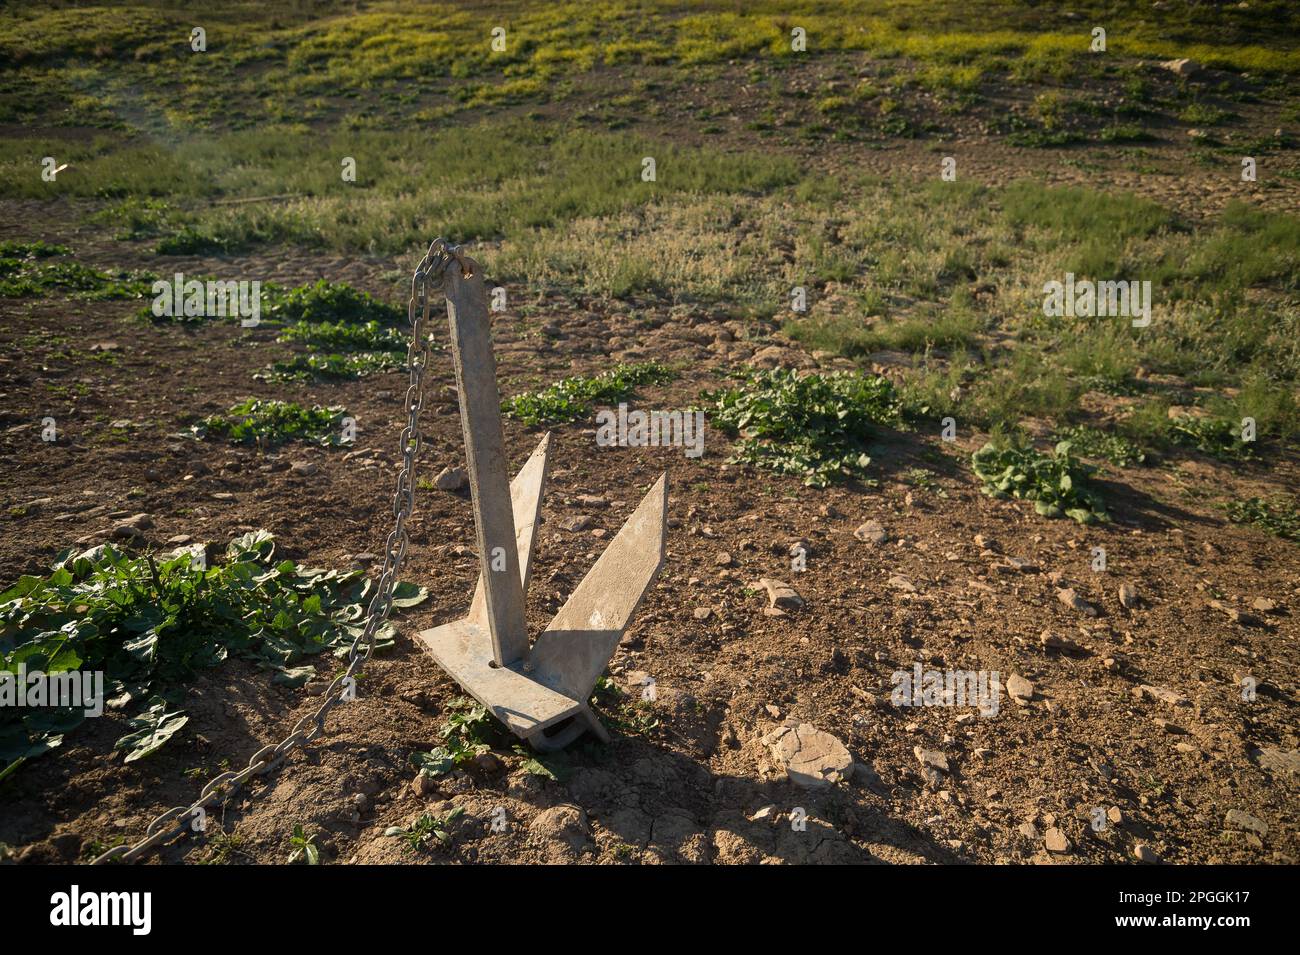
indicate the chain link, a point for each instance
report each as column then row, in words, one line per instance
column 179, row 820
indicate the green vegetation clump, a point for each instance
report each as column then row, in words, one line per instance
column 1212, row 435
column 330, row 302
column 272, row 421
column 467, row 733
column 332, row 367
column 149, row 625
column 1279, row 517
column 817, row 427
column 23, row 274
column 1056, row 483
column 1115, row 448
column 572, row 398
column 345, row 336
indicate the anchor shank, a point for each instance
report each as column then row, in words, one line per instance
column 480, row 419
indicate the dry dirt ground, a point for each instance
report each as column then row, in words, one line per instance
column 1166, row 768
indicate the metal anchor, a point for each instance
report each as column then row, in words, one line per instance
column 539, row 691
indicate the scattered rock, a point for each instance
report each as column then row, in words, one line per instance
column 1029, row 831
column 1128, row 596
column 576, row 524
column 1160, row 693
column 1056, row 841
column 899, row 582
column 1235, row 615
column 811, row 758
column 1239, row 821
column 780, row 595
column 1053, row 641
column 451, row 479
column 303, row 468
column 723, row 559
column 1022, row 565
column 702, row 613
column 1281, row 762
column 931, row 759
column 767, row 814
column 1264, row 605
column 871, row 532
column 1181, row 67
column 1144, row 853
column 1019, row 689
column 423, row 785
column 1070, row 597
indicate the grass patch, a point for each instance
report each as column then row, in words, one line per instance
column 572, row 398
column 817, row 427
column 150, row 625
column 1279, row 517
column 1057, row 483
column 270, row 421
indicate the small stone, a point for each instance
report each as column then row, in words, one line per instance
column 767, row 813
column 985, row 543
column 592, row 500
column 931, row 759
column 1279, row 761
column 1020, row 689
column 1115, row 815
column 780, row 595
column 1239, row 821
column 1128, row 596
column 1070, row 597
column 1056, row 841
column 1022, row 565
column 1181, row 67
column 899, row 582
column 723, row 559
column 576, row 524
column 1053, row 641
column 1264, row 605
column 871, row 532
column 1144, row 853
column 487, row 763
column 1235, row 615
column 812, row 758
column 423, row 785
column 451, row 479
column 304, row 468
column 1029, row 831
column 702, row 613
column 1160, row 693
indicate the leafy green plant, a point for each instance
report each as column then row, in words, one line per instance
column 572, row 398
column 1279, row 517
column 815, row 426
column 1056, row 483
column 336, row 302
column 305, row 851
column 150, row 625
column 27, row 276
column 318, row 367
column 40, row 249
column 632, row 717
column 345, row 336
column 468, row 733
column 1115, row 448
column 1215, row 436
column 274, row 422
column 427, row 829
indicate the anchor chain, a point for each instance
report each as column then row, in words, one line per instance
column 179, row 820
